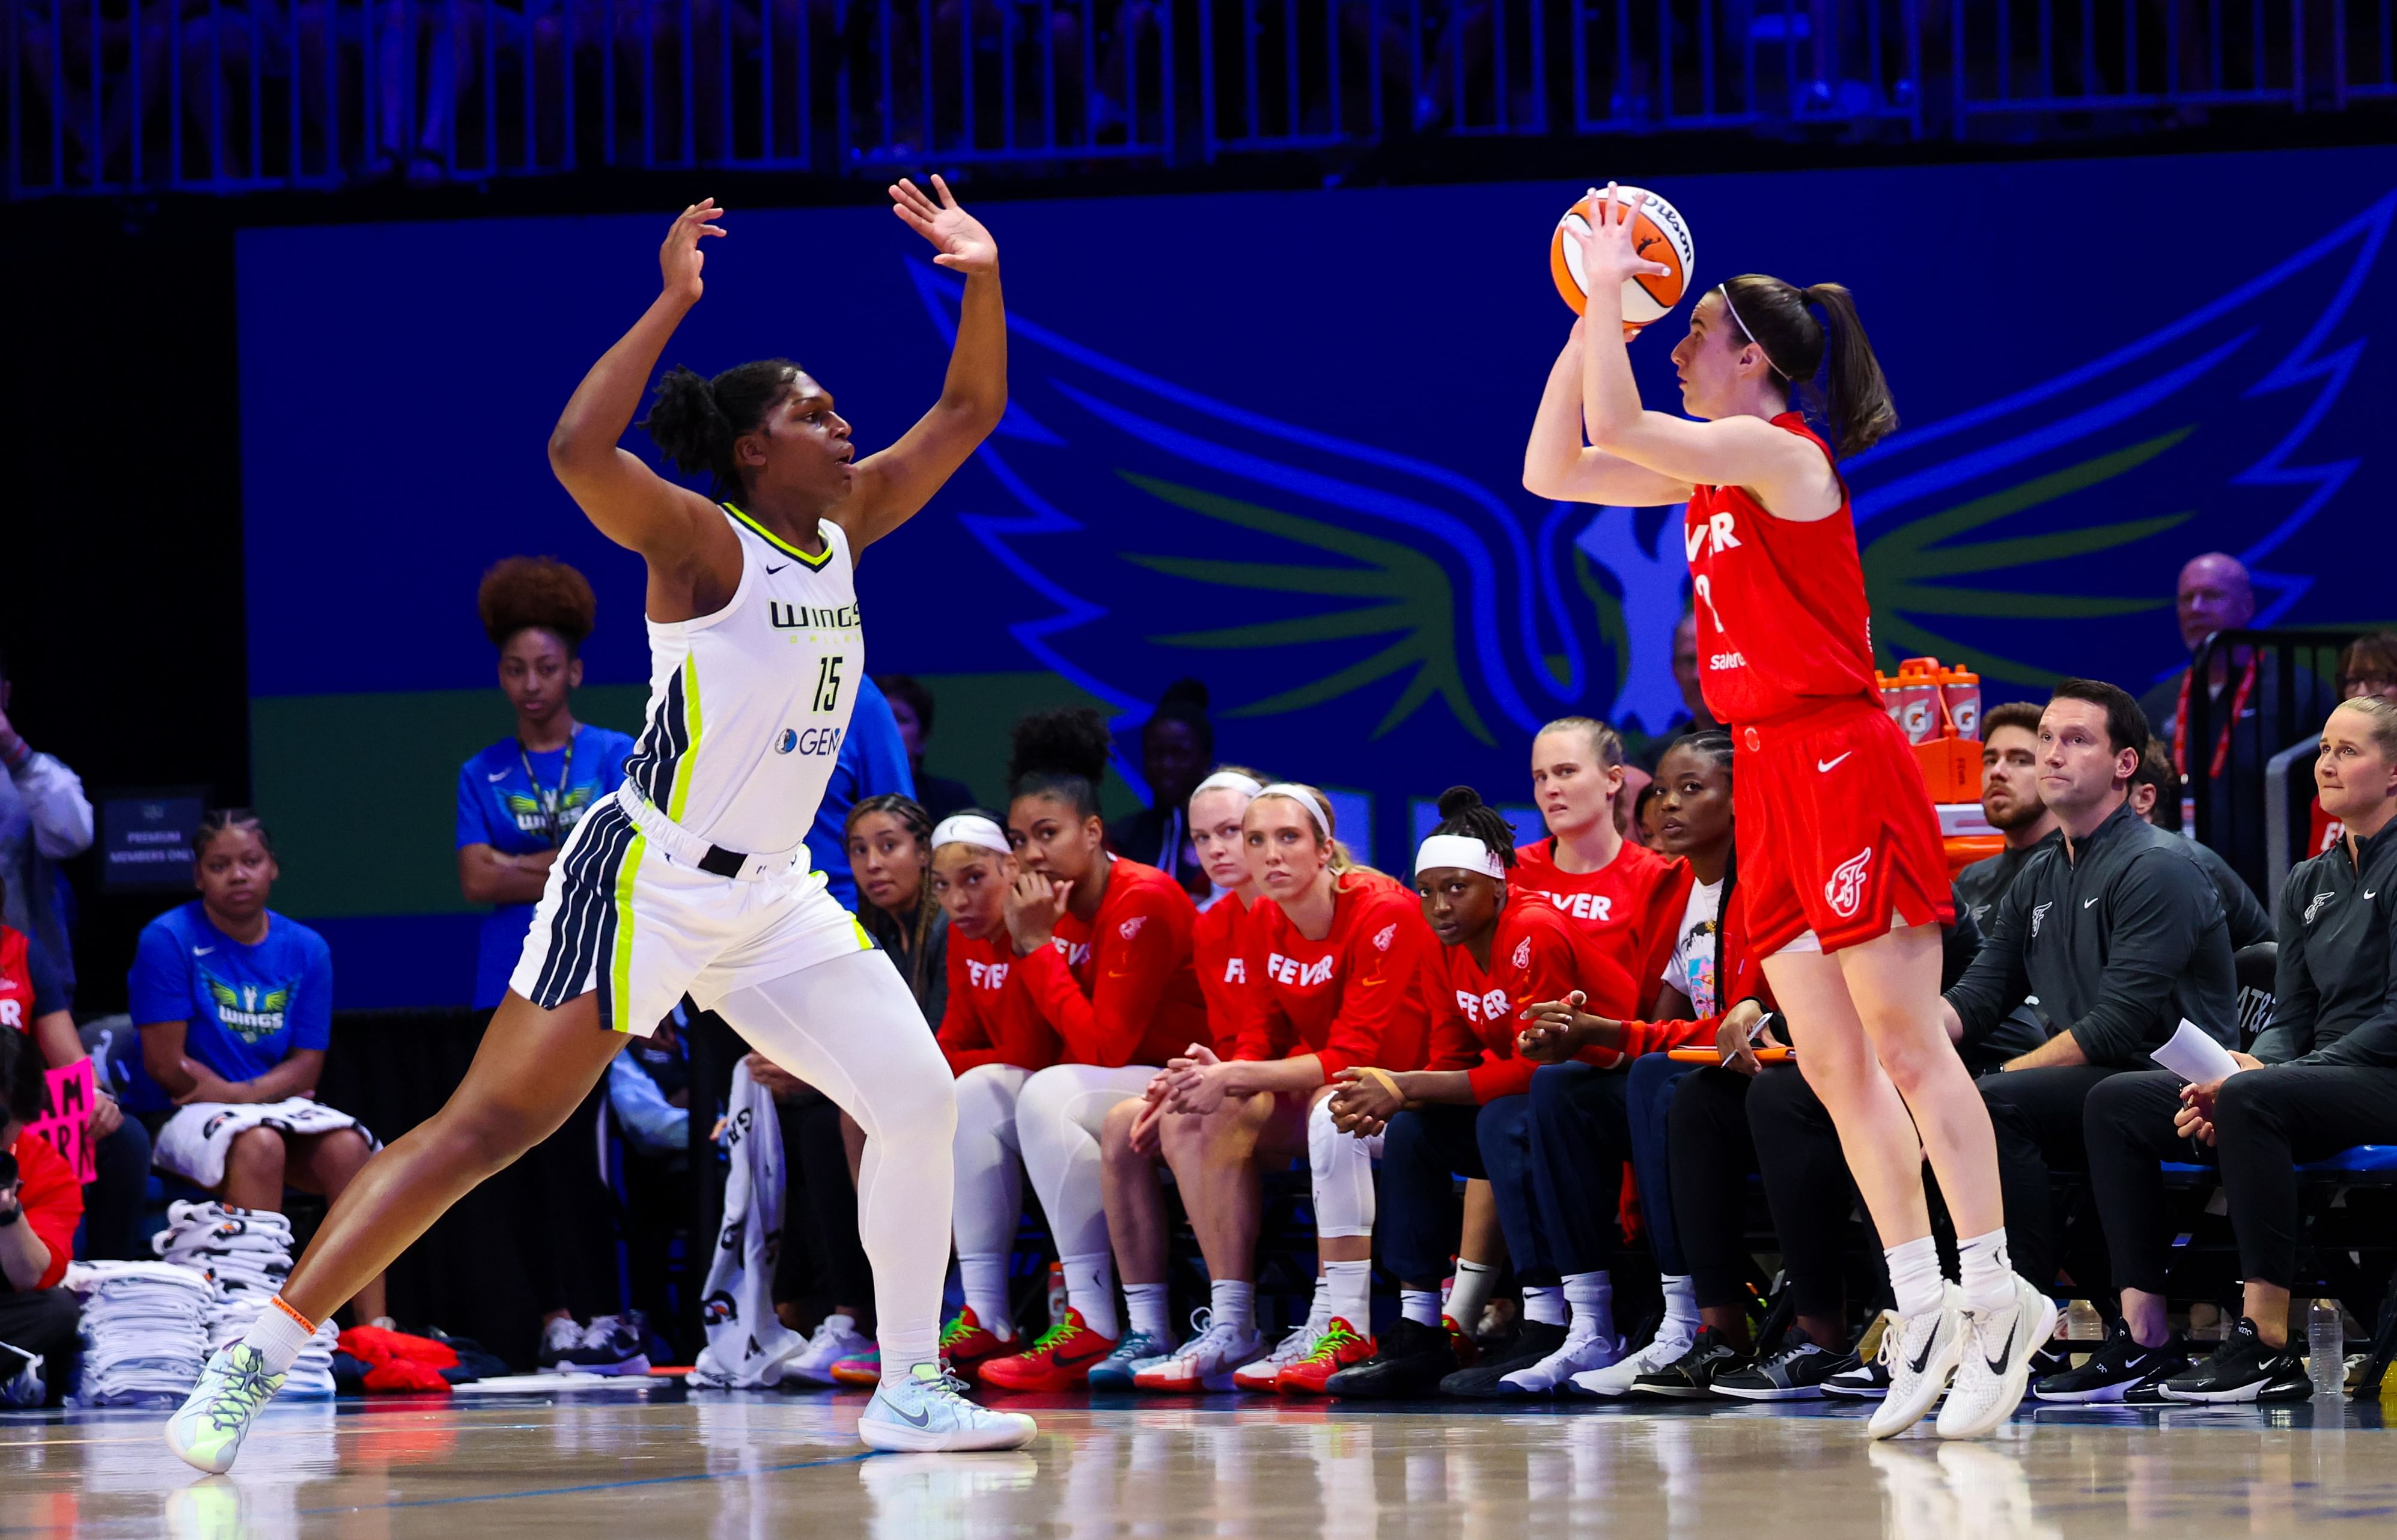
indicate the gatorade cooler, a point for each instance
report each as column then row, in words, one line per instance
column 1917, row 699
column 1959, row 691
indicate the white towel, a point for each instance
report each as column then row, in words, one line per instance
column 746, row 1343
column 194, row 1143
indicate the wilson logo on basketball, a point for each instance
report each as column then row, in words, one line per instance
column 1523, row 953
column 1846, row 889
column 1382, row 937
column 1131, row 928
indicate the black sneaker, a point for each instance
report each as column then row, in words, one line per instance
column 612, row 1345
column 1535, row 1341
column 1411, row 1360
column 1794, row 1372
column 1867, row 1381
column 2118, row 1363
column 1690, row 1376
column 2243, row 1369
column 2149, row 1392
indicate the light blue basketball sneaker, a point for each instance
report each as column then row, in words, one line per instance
column 927, row 1412
column 207, row 1429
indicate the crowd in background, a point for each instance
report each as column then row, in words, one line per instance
column 1214, row 988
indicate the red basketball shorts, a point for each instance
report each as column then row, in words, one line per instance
column 1838, row 841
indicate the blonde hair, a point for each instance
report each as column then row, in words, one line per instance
column 1341, row 860
column 2384, row 721
column 1604, row 741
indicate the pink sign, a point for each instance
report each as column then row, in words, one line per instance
column 67, row 1128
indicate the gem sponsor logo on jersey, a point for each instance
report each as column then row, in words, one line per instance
column 1597, row 906
column 809, row 742
column 1291, row 971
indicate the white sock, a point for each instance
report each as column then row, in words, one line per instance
column 983, row 1278
column 1914, row 1279
column 279, row 1333
column 1150, row 1306
column 1545, row 1304
column 1988, row 1272
column 903, row 1350
column 1349, row 1286
column 1232, row 1304
column 1682, row 1303
column 1091, row 1288
column 1469, row 1294
column 1420, row 1306
column 1318, row 1309
column 1590, row 1299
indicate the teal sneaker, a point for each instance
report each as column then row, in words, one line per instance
column 927, row 1412
column 1135, row 1353
column 207, row 1432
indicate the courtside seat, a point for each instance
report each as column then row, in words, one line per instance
column 2375, row 1162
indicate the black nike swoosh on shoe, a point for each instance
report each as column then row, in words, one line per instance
column 1997, row 1365
column 1922, row 1359
column 1062, row 1361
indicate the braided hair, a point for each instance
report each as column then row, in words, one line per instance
column 216, row 821
column 1714, row 745
column 1462, row 811
column 695, row 422
column 919, row 825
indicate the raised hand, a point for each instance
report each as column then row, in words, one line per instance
column 1032, row 908
column 679, row 260
column 964, row 245
column 1608, row 256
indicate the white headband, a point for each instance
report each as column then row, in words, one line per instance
column 968, row 828
column 1229, row 780
column 1305, row 799
column 1461, row 850
column 1752, row 337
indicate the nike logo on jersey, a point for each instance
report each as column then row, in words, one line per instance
column 1826, row 766
column 498, row 777
column 2088, row 903
column 772, row 570
column 202, row 951
column 2369, row 894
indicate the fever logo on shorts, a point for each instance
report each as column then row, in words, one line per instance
column 1523, row 953
column 1382, row 937
column 1131, row 928
column 1846, row 889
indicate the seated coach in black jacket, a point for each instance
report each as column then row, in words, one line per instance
column 2117, row 936
column 2322, row 1078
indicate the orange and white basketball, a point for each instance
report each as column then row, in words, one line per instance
column 1661, row 234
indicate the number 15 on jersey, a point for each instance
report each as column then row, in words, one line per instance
column 827, row 697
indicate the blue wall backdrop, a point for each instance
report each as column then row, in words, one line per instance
column 1275, row 440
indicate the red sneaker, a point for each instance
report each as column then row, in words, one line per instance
column 1337, row 1348
column 1469, row 1351
column 1060, row 1358
column 965, row 1342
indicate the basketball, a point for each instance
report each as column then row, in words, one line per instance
column 1663, row 235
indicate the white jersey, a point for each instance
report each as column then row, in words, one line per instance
column 748, row 706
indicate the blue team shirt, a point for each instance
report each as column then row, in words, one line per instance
column 245, row 1009
column 499, row 806
column 873, row 762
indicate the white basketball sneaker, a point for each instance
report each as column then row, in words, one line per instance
column 836, row 1338
column 207, row 1432
column 1920, row 1352
column 927, row 1412
column 1264, row 1374
column 1584, row 1351
column 1207, row 1361
column 1993, row 1368
column 1672, row 1340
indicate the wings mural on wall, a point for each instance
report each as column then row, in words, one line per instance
column 1162, row 531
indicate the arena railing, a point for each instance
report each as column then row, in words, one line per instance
column 226, row 95
column 2255, row 807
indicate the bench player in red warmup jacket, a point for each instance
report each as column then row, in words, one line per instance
column 1840, row 856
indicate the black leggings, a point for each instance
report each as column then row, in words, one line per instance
column 1721, row 1120
column 2038, row 1116
column 822, row 1262
column 2266, row 1122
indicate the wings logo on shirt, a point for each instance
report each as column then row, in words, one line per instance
column 1386, row 935
column 1523, row 953
column 1131, row 928
column 1846, row 888
column 245, row 1010
column 530, row 818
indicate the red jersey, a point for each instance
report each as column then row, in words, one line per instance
column 991, row 1019
column 1618, row 906
column 1219, row 945
column 1536, row 954
column 1782, row 620
column 1119, row 988
column 2326, row 831
column 16, row 982
column 52, row 1200
column 1361, row 996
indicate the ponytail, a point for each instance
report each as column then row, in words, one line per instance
column 1827, row 364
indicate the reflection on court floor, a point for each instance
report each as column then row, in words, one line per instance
column 654, row 1462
